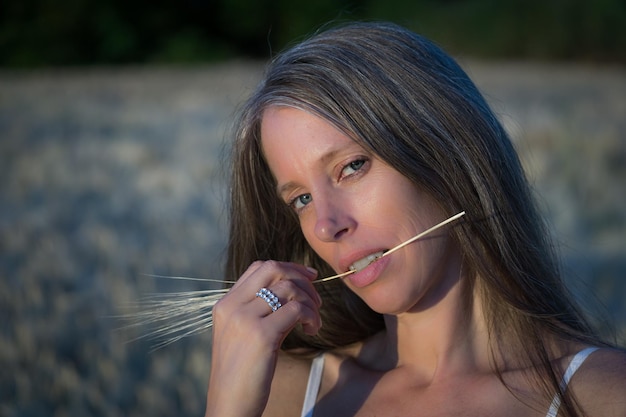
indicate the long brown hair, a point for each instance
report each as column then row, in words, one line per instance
column 403, row 98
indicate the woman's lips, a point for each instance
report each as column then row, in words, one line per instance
column 369, row 273
column 364, row 262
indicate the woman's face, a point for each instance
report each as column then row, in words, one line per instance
column 351, row 206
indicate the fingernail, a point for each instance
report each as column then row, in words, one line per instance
column 312, row 270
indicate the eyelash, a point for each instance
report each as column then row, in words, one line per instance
column 361, row 160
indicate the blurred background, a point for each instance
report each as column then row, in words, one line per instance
column 113, row 117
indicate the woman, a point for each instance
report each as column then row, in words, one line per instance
column 356, row 140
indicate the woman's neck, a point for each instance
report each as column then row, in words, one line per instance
column 449, row 337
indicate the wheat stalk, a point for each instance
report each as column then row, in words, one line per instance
column 181, row 314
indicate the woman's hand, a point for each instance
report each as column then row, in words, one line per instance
column 247, row 335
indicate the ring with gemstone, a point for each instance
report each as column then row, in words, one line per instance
column 270, row 298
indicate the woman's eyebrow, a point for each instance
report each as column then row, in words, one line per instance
column 286, row 188
column 324, row 159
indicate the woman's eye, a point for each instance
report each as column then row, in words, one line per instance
column 301, row 201
column 352, row 167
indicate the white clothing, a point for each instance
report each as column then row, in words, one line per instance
column 317, row 367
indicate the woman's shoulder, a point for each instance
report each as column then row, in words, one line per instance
column 289, row 384
column 291, row 378
column 600, row 383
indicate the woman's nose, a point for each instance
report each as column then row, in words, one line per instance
column 332, row 221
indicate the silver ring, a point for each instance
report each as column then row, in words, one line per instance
column 270, row 298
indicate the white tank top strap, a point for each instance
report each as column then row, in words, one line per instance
column 313, row 386
column 577, row 360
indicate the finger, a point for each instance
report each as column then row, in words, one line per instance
column 252, row 269
column 270, row 299
column 307, row 271
column 285, row 291
column 292, row 313
column 309, row 289
column 266, row 273
column 289, row 281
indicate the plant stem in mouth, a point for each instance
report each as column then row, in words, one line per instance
column 401, row 245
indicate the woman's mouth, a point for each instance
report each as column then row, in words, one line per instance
column 364, row 262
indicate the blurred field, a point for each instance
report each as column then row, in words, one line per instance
column 111, row 174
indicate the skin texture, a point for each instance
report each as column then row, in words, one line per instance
column 351, row 204
column 240, row 316
column 357, row 205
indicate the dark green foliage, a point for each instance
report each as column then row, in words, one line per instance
column 78, row 32
column 537, row 29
